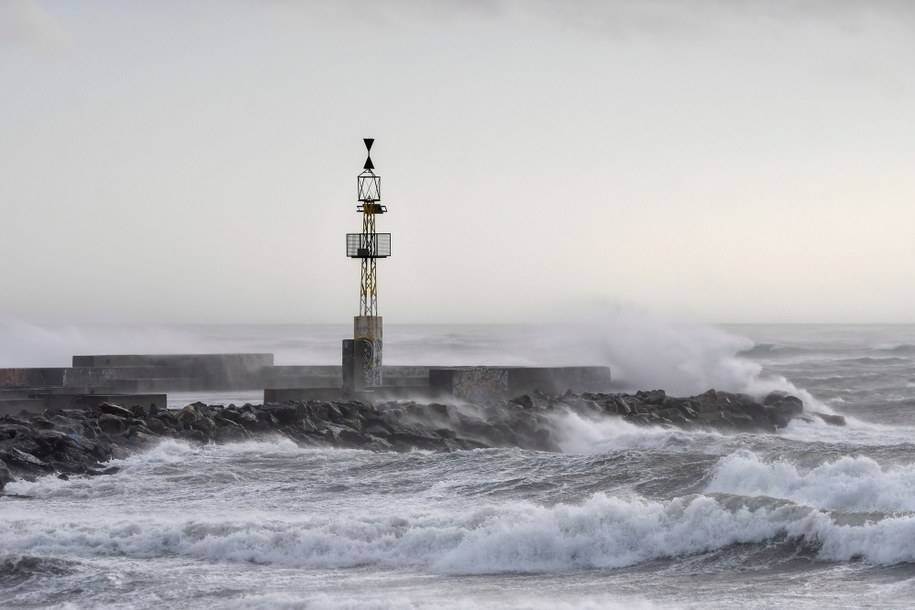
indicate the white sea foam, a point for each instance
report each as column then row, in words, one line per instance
column 291, row 601
column 467, row 601
column 855, row 432
column 189, row 471
column 172, row 451
column 849, row 483
column 603, row 532
column 577, row 434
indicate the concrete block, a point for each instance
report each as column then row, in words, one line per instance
column 302, row 394
column 484, row 382
column 159, row 401
column 211, row 371
column 21, row 406
column 31, row 377
column 400, row 392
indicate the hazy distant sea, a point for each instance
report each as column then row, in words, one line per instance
column 812, row 517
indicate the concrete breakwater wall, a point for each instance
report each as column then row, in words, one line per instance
column 487, row 382
column 146, row 379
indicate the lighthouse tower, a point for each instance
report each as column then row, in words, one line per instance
column 362, row 353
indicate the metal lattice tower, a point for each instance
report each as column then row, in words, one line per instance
column 362, row 355
column 369, row 245
column 368, row 287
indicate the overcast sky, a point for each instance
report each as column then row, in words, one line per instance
column 731, row 161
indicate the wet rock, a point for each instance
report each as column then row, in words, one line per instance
column 376, row 427
column 232, row 414
column 169, row 419
column 784, row 409
column 10, row 431
column 5, row 475
column 652, row 397
column 143, row 411
column 352, row 438
column 140, row 438
column 188, row 415
column 524, row 401
column 623, row 406
column 248, row 420
column 774, row 397
column 14, row 456
column 688, row 412
column 80, row 441
column 267, row 422
column 77, row 442
column 705, row 403
column 742, row 421
column 113, row 409
column 112, row 424
column 43, row 423
column 228, row 429
column 156, row 426
column 192, row 434
column 378, row 444
column 205, row 425
column 543, row 441
column 287, row 414
column 835, row 420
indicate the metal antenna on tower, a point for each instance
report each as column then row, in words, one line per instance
column 362, row 354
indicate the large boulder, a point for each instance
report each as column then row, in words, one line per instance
column 784, row 409
column 651, row 397
column 834, row 420
column 706, row 402
column 112, row 424
column 5, row 475
column 113, row 409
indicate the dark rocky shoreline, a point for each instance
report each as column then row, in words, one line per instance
column 79, row 442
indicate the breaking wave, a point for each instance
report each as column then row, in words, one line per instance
column 849, row 483
column 602, row 532
column 882, row 360
column 896, row 348
column 768, row 349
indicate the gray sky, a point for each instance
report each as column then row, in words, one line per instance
column 731, row 161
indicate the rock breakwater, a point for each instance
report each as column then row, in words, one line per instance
column 80, row 442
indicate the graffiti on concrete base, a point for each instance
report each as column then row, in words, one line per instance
column 371, row 363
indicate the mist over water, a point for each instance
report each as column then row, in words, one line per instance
column 644, row 351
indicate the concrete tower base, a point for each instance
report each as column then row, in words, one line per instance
column 362, row 366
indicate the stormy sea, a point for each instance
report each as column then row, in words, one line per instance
column 811, row 516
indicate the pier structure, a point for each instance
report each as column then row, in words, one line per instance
column 146, row 381
column 362, row 361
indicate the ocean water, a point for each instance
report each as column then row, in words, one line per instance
column 625, row 517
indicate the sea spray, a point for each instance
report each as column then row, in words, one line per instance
column 594, row 435
column 644, row 351
column 647, row 351
column 852, row 483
